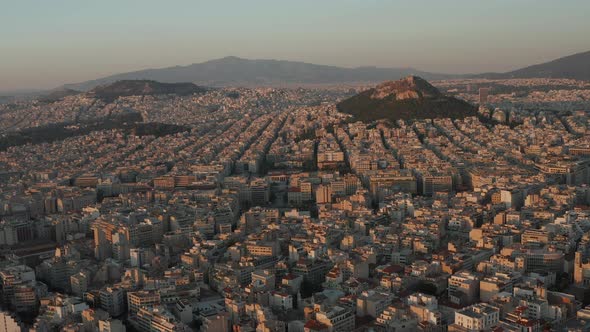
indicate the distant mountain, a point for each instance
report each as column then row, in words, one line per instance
column 57, row 95
column 234, row 71
column 575, row 66
column 110, row 92
column 409, row 98
column 244, row 72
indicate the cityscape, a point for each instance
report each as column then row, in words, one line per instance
column 249, row 195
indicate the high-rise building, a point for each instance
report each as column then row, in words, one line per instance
column 20, row 288
column 137, row 300
column 113, row 301
column 463, row 288
column 483, row 95
column 259, row 192
column 323, row 194
column 103, row 239
column 79, row 283
column 436, row 182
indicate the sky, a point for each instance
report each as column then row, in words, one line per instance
column 44, row 44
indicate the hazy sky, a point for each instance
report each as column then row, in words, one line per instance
column 45, row 43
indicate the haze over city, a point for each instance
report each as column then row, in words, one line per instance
column 304, row 166
column 47, row 44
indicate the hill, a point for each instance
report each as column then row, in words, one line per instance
column 57, row 95
column 576, row 66
column 409, row 98
column 124, row 88
column 236, row 71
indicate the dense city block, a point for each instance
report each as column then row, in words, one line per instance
column 269, row 209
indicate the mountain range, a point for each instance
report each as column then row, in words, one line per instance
column 234, row 71
column 576, row 66
column 409, row 98
column 57, row 94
